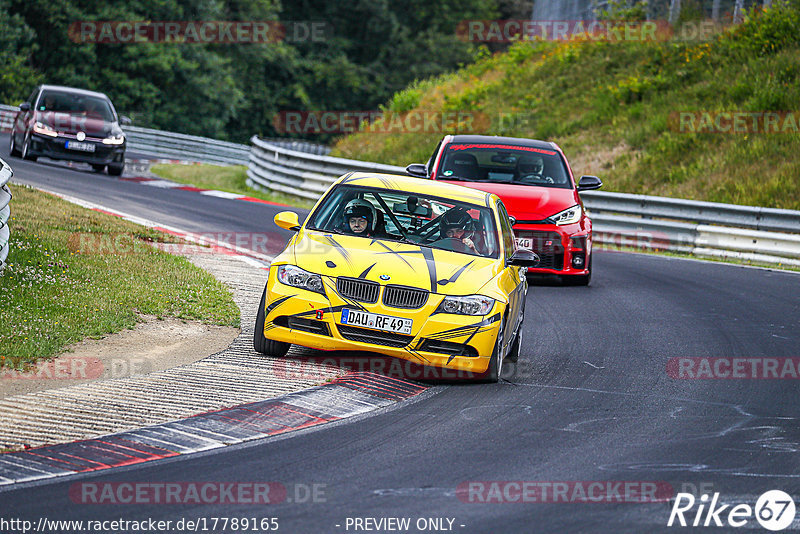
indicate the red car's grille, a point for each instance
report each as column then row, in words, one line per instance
column 548, row 246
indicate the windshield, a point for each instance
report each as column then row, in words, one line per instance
column 76, row 104
column 522, row 165
column 408, row 217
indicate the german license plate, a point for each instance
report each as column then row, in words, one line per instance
column 387, row 323
column 83, row 147
column 524, row 242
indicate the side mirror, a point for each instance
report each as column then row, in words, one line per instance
column 125, row 121
column 287, row 220
column 25, row 106
column 512, row 220
column 587, row 183
column 523, row 257
column 417, row 169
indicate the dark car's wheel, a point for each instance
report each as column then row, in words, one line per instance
column 12, row 146
column 26, row 149
column 496, row 362
column 260, row 342
column 116, row 170
column 98, row 168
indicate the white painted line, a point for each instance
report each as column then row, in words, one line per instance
column 254, row 258
column 164, row 184
column 221, row 194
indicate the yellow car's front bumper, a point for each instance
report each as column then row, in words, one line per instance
column 462, row 343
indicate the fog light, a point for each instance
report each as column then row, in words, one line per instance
column 578, row 261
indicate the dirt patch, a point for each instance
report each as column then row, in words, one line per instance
column 594, row 161
column 152, row 345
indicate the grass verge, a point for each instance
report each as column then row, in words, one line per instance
column 75, row 273
column 230, row 178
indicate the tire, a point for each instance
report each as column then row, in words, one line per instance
column 98, row 168
column 261, row 344
column 513, row 353
column 12, row 147
column 115, row 170
column 25, row 145
column 496, row 362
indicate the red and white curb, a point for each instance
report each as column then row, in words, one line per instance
column 252, row 257
column 352, row 394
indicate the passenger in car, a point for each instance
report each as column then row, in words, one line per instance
column 456, row 223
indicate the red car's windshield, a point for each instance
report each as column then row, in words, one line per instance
column 502, row 163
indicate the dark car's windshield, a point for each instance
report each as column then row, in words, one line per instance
column 502, row 163
column 409, row 217
column 76, row 104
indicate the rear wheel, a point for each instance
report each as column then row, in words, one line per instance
column 261, row 344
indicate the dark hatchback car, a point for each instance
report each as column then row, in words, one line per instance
column 70, row 124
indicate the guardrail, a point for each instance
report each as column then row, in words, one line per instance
column 171, row 145
column 7, row 114
column 300, row 174
column 5, row 212
column 707, row 229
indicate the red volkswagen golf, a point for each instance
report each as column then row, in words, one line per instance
column 535, row 182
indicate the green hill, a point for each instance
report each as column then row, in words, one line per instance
column 615, row 108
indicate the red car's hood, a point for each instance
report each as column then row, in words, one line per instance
column 528, row 202
column 74, row 123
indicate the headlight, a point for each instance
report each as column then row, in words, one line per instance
column 44, row 129
column 470, row 305
column 568, row 216
column 114, row 140
column 297, row 277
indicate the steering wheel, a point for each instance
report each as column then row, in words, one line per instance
column 451, row 243
column 536, row 178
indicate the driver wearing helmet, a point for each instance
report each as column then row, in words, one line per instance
column 359, row 218
column 456, row 223
column 531, row 167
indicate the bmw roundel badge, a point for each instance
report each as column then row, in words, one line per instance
column 385, row 277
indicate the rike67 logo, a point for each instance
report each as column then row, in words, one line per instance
column 774, row 510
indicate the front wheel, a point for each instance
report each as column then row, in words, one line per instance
column 98, row 168
column 513, row 354
column 116, row 170
column 261, row 344
column 12, row 146
column 496, row 361
column 26, row 149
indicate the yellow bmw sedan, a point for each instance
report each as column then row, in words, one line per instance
column 404, row 267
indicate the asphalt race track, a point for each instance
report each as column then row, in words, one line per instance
column 590, row 400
